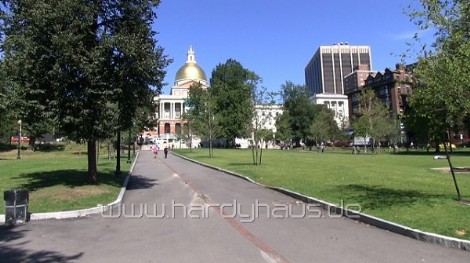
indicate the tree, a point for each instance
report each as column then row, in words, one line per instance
column 376, row 121
column 300, row 110
column 202, row 115
column 8, row 112
column 444, row 74
column 262, row 103
column 324, row 127
column 231, row 89
column 442, row 99
column 75, row 62
column 283, row 127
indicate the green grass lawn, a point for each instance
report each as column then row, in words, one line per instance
column 56, row 178
column 398, row 187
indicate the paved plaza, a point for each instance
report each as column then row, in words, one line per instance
column 178, row 211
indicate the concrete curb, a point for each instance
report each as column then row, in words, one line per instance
column 354, row 215
column 83, row 212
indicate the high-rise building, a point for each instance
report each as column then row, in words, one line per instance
column 329, row 66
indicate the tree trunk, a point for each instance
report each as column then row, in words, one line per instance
column 253, row 154
column 97, row 152
column 32, row 142
column 108, row 144
column 92, row 170
column 260, row 155
column 118, row 154
column 256, row 152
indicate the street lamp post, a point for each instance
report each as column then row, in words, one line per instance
column 19, row 140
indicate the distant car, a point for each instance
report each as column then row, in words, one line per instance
column 23, row 139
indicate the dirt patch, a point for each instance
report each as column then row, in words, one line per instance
column 460, row 232
column 66, row 193
column 79, row 192
column 456, row 169
column 462, row 169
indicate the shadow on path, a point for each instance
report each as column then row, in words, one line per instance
column 141, row 182
column 13, row 252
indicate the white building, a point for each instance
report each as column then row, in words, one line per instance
column 265, row 117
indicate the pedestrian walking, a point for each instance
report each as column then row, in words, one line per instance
column 165, row 151
column 155, row 150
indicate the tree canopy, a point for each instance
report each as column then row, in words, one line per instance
column 375, row 121
column 441, row 101
column 84, row 66
column 299, row 109
column 324, row 127
column 231, row 89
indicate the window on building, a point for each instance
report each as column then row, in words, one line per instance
column 167, row 128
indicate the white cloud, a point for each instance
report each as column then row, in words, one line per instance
column 402, row 36
column 409, row 35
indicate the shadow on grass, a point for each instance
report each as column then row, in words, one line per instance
column 13, row 253
column 50, row 147
column 6, row 147
column 375, row 197
column 241, row 164
column 433, row 153
column 69, row 178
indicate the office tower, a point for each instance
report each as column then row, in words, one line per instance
column 330, row 64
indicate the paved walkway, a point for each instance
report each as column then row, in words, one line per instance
column 184, row 212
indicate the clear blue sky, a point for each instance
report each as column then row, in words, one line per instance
column 277, row 38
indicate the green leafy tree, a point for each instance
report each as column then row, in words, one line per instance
column 283, row 128
column 202, row 115
column 195, row 105
column 442, row 99
column 324, row 127
column 85, row 66
column 300, row 110
column 375, row 121
column 231, row 89
column 8, row 112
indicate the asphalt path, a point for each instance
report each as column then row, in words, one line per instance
column 178, row 211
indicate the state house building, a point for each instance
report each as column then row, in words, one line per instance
column 170, row 108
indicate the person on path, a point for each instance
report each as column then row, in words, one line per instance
column 155, row 150
column 165, row 151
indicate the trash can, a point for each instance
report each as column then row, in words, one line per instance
column 16, row 206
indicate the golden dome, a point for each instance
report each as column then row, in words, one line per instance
column 191, row 69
